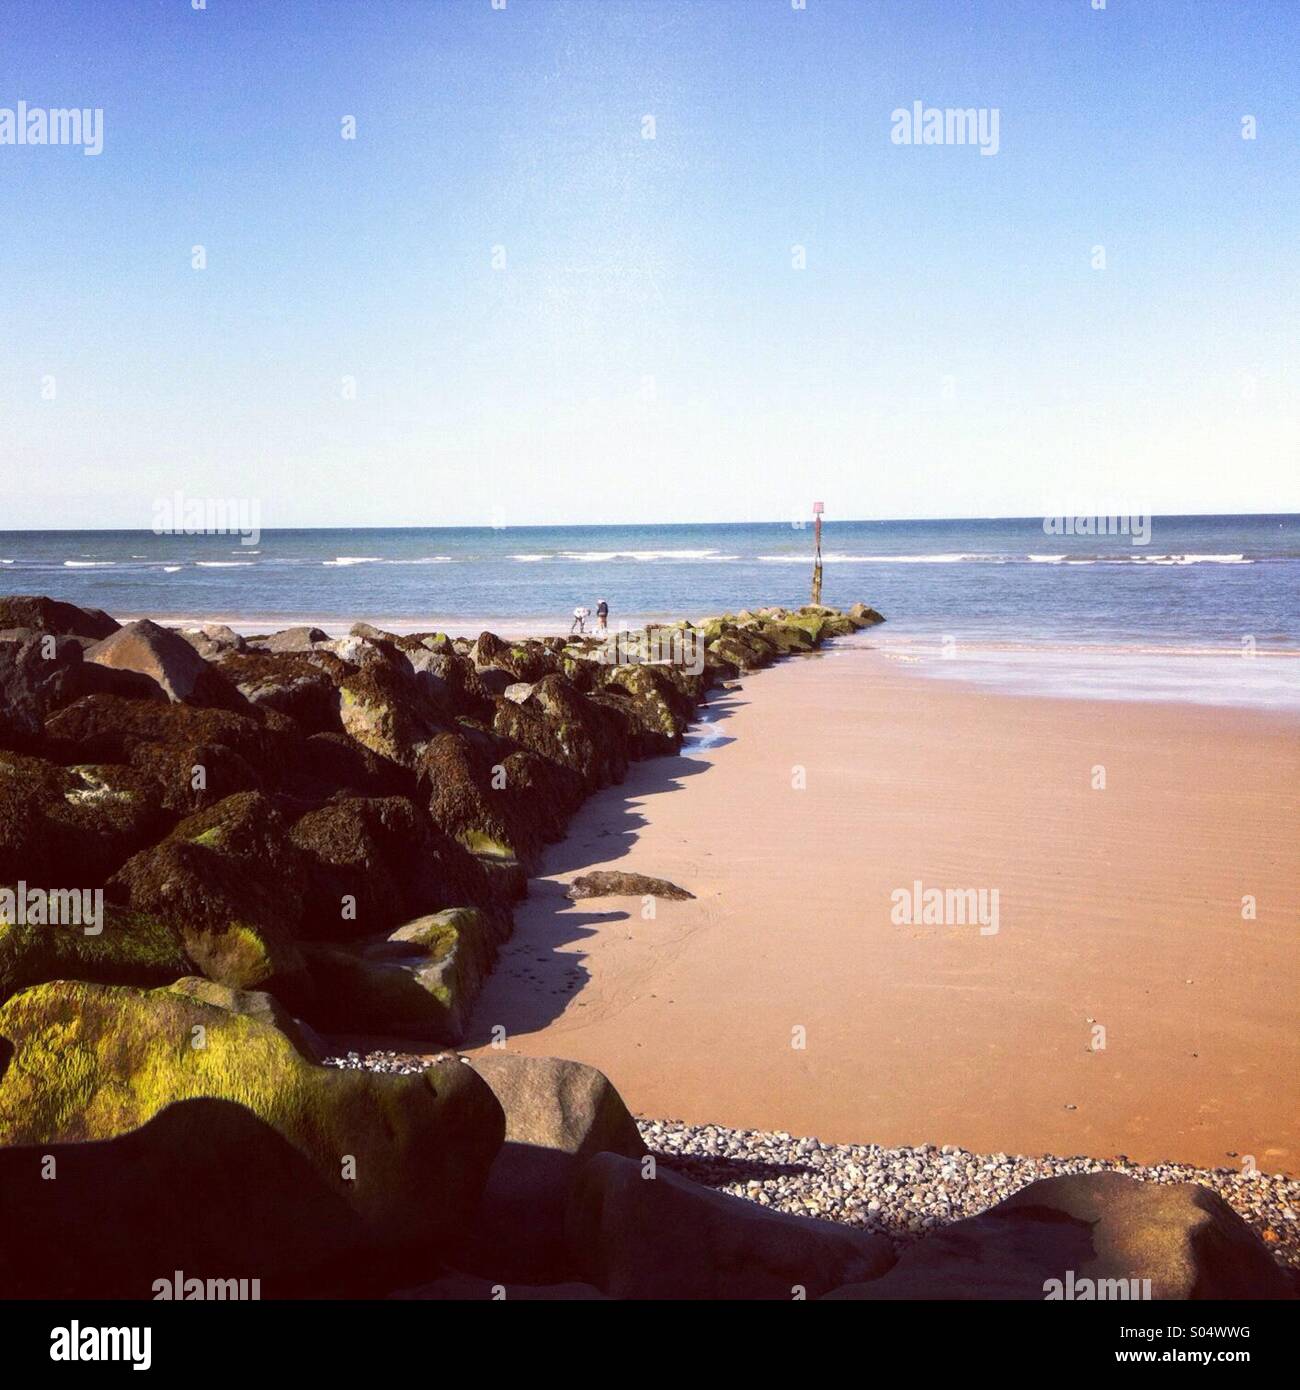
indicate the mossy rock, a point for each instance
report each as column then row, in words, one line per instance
column 408, row 1154
column 230, row 882
column 132, row 948
column 418, row 981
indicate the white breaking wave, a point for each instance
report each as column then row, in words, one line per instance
column 354, row 560
column 88, row 564
column 171, row 569
column 224, row 564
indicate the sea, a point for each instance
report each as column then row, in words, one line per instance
column 1202, row 608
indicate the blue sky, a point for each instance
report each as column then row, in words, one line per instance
column 648, row 352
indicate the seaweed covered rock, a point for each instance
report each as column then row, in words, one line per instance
column 406, row 1155
column 42, row 672
column 255, row 1004
column 73, row 826
column 130, row 948
column 383, row 707
column 232, row 883
column 295, row 685
column 568, row 729
column 376, row 862
column 418, row 981
column 197, row 756
column 466, row 800
column 53, row 615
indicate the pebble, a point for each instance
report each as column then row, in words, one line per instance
column 905, row 1192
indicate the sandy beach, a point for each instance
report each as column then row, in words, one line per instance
column 1119, row 909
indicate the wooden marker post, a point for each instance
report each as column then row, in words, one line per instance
column 817, row 554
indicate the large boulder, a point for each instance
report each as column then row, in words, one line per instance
column 1097, row 1235
column 558, row 1114
column 464, row 802
column 383, row 707
column 197, row 756
column 232, row 883
column 52, row 615
column 407, row 1155
column 73, row 826
column 301, row 687
column 375, row 862
column 131, row 948
column 567, row 728
column 637, row 1235
column 167, row 658
column 420, row 980
column 41, row 672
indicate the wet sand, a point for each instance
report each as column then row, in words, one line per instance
column 1118, row 908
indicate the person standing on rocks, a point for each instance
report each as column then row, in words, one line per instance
column 602, row 616
column 580, row 616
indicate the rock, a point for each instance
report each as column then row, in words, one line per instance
column 1088, row 1227
column 197, row 756
column 862, row 616
column 232, row 883
column 41, row 672
column 52, row 615
column 607, row 883
column 291, row 683
column 335, row 764
column 306, row 1042
column 496, row 681
column 205, row 1187
column 408, row 1155
column 464, row 1288
column 518, row 692
column 132, row 948
column 418, row 981
column 167, row 658
column 371, row 634
column 384, row 708
column 666, row 1237
column 63, row 827
column 569, row 729
column 292, row 639
column 466, row 804
column 558, row 1114
column 212, row 640
column 374, row 863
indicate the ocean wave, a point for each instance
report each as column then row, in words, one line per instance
column 172, row 569
column 225, row 564
column 354, row 560
column 88, row 564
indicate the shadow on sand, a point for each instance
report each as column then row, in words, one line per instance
column 535, row 975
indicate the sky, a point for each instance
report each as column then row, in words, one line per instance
column 501, row 303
